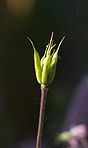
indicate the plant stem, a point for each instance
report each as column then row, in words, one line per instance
column 41, row 116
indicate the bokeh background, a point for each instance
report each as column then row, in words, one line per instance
column 19, row 90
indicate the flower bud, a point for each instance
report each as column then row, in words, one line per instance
column 45, row 69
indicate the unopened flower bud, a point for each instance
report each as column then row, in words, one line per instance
column 45, row 69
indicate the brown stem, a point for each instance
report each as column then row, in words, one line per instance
column 41, row 117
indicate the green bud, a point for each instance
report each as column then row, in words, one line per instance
column 45, row 69
column 64, row 137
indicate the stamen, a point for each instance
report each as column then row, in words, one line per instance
column 51, row 43
column 47, row 46
column 53, row 52
column 53, row 46
column 45, row 52
column 51, row 38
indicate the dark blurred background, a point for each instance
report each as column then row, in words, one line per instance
column 19, row 90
